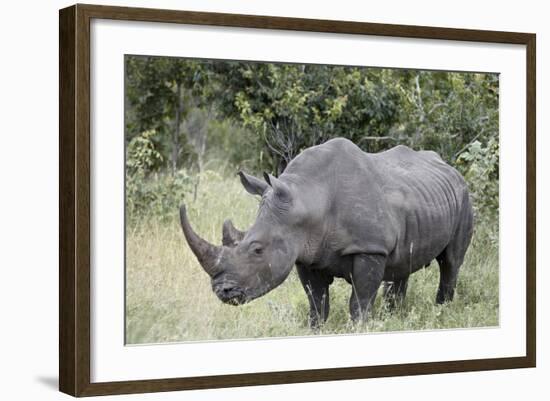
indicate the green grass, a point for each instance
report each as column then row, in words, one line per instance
column 169, row 298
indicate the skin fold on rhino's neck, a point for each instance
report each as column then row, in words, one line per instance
column 314, row 227
column 310, row 249
column 306, row 227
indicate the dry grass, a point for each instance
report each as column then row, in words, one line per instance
column 169, row 297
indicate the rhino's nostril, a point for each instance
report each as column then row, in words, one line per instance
column 224, row 289
column 229, row 293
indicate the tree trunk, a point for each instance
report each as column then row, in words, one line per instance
column 176, row 131
column 200, row 148
column 198, row 179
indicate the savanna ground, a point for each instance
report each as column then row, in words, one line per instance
column 169, row 297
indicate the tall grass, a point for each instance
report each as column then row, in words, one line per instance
column 169, row 298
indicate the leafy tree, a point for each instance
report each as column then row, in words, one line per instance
column 160, row 92
column 446, row 112
column 292, row 107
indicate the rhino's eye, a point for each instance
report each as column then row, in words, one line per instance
column 256, row 249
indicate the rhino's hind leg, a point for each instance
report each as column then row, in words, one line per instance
column 366, row 277
column 452, row 257
column 448, row 273
column 394, row 292
column 316, row 284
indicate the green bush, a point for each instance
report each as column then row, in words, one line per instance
column 158, row 196
column 151, row 193
column 479, row 164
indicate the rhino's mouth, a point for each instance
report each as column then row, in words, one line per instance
column 230, row 295
column 238, row 298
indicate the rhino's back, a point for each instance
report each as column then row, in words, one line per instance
column 418, row 180
column 329, row 157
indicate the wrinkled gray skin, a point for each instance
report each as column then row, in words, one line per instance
column 337, row 211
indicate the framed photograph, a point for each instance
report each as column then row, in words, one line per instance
column 250, row 200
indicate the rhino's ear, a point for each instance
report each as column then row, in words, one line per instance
column 280, row 189
column 252, row 184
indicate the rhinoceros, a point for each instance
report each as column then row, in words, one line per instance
column 337, row 211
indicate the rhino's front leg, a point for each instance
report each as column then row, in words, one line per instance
column 316, row 284
column 366, row 276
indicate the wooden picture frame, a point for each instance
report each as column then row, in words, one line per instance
column 74, row 200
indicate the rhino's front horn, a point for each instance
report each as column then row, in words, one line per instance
column 208, row 255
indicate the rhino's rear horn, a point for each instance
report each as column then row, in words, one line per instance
column 207, row 254
column 230, row 235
